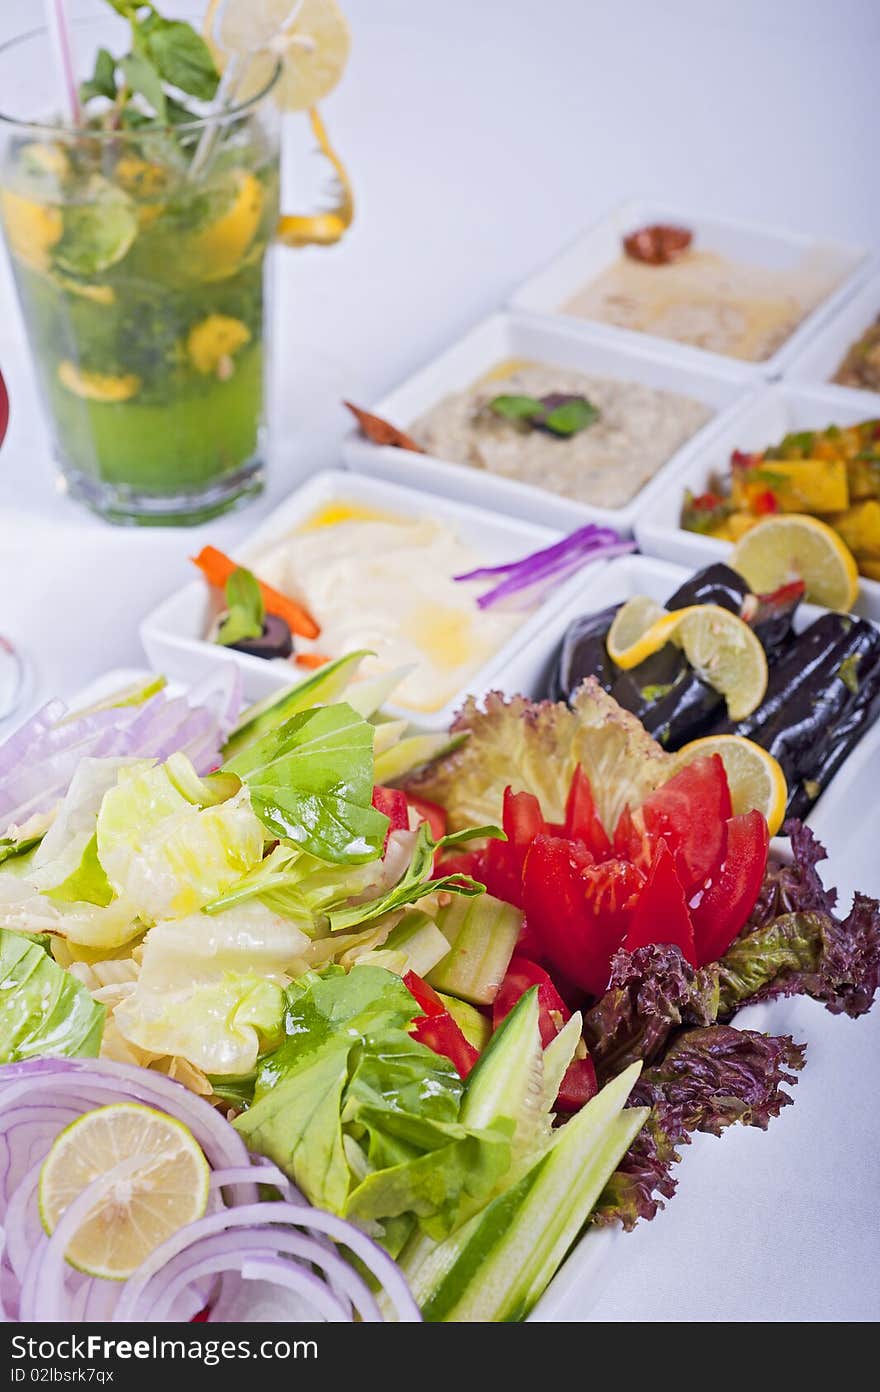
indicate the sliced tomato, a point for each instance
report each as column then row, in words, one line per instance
column 437, row 1029
column 521, row 976
column 661, row 914
column 581, row 819
column 500, row 870
column 578, row 1085
column 393, row 803
column 578, row 911
column 729, row 898
column 690, row 813
column 522, row 819
column 430, row 812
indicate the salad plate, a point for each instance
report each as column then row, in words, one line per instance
column 173, row 635
column 511, row 339
column 761, row 419
column 746, row 243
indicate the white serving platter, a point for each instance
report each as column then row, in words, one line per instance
column 760, row 419
column 774, row 248
column 587, row 349
column 820, row 358
column 173, row 634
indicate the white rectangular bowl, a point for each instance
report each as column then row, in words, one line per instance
column 820, row 358
column 595, row 250
column 173, row 634
column 759, row 420
column 504, row 336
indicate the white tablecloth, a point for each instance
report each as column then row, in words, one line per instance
column 482, row 137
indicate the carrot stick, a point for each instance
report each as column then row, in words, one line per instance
column 217, row 568
column 311, row 660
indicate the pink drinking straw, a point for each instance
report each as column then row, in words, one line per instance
column 62, row 49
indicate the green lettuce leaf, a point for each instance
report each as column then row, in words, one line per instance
column 88, row 883
column 311, row 782
column 43, row 1009
column 414, row 885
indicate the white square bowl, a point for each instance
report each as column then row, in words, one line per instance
column 770, row 247
column 504, row 336
column 759, row 420
column 822, row 355
column 173, row 634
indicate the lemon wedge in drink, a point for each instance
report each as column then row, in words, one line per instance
column 755, row 778
column 794, row 546
column 164, row 1183
column 312, row 40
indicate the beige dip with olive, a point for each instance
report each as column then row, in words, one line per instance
column 708, row 301
column 606, row 464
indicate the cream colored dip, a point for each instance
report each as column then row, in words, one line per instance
column 384, row 582
column 708, row 301
column 638, row 430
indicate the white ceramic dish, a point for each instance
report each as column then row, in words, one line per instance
column 760, row 419
column 173, row 634
column 587, row 257
column 820, row 358
column 500, row 338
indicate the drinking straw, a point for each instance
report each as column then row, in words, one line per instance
column 62, row 51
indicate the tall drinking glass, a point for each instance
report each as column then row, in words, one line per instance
column 141, row 269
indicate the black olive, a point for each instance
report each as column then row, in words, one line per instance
column 274, row 641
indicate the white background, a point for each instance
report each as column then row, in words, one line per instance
column 482, row 135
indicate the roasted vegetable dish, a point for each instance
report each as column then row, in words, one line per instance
column 822, row 692
column 833, row 474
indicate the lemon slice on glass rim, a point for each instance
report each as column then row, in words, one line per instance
column 719, row 645
column 755, row 778
column 310, row 37
column 157, row 1181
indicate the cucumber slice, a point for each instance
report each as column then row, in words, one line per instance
column 507, row 1081
column 497, row 1265
column 420, row 942
column 558, row 1055
column 320, row 689
column 411, row 753
column 476, row 1027
column 482, row 934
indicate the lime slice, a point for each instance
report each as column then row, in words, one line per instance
column 167, row 1190
column 797, row 547
column 755, row 778
column 97, row 233
column 312, row 39
column 640, row 628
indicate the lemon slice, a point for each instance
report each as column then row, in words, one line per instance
column 720, row 647
column 755, row 778
column 724, row 651
column 312, row 40
column 134, row 1217
column 797, row 547
column 640, row 628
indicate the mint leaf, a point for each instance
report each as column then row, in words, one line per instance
column 102, row 82
column 516, row 408
column 142, row 77
column 570, row 416
column 182, row 57
column 246, row 608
